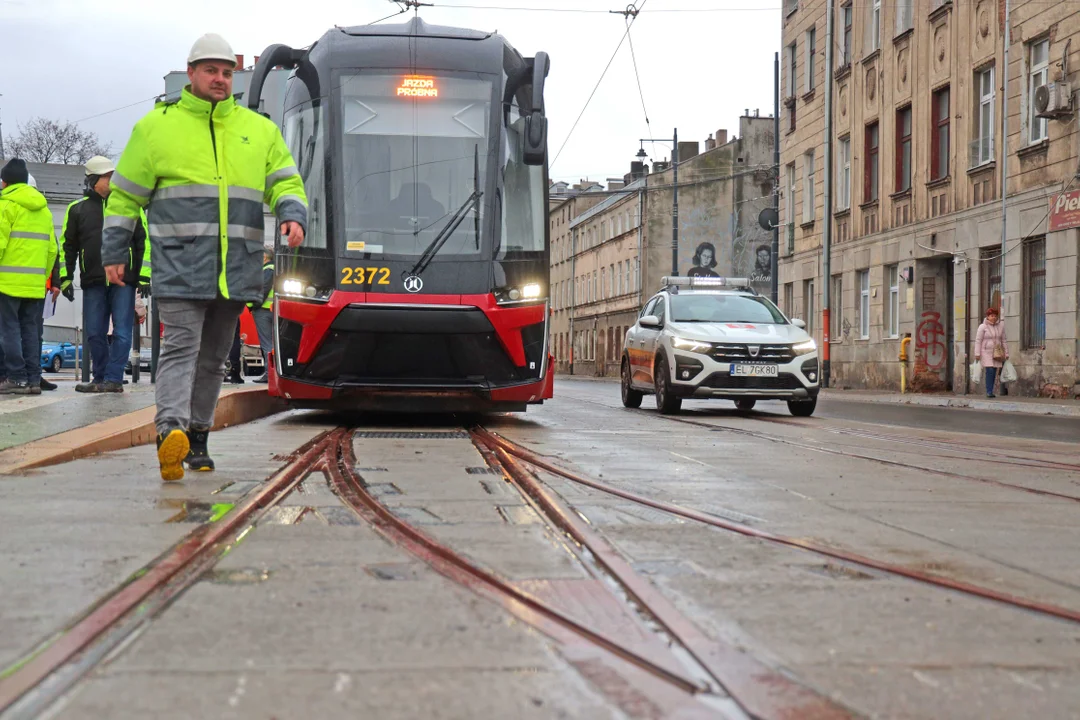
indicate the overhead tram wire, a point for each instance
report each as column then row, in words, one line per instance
column 637, row 9
column 633, row 56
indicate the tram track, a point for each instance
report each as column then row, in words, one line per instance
column 697, row 675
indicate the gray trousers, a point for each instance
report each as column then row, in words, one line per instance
column 191, row 367
column 264, row 325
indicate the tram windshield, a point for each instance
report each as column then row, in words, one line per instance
column 416, row 153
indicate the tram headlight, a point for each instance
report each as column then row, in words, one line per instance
column 294, row 288
column 530, row 292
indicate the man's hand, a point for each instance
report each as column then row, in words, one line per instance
column 115, row 274
column 293, row 232
column 69, row 292
column 55, row 291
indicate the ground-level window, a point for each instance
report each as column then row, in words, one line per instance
column 863, row 307
column 1034, row 292
column 892, row 303
column 808, row 305
column 836, row 309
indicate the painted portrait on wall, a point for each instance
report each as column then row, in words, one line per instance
column 704, row 261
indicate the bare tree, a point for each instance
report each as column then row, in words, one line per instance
column 48, row 141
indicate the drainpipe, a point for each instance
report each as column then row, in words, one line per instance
column 1004, row 157
column 573, row 295
column 641, row 238
column 774, row 286
column 826, row 225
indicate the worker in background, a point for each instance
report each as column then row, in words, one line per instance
column 28, row 252
column 204, row 214
column 104, row 302
column 264, row 315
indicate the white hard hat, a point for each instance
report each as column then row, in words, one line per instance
column 99, row 165
column 211, row 47
column 31, row 181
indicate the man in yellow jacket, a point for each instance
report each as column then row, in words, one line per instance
column 205, row 166
column 27, row 255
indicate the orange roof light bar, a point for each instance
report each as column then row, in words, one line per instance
column 418, row 86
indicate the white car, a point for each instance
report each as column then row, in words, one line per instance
column 718, row 338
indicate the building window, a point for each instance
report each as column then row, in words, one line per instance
column 808, row 304
column 990, row 284
column 875, row 25
column 863, row 309
column 892, row 306
column 846, row 49
column 939, row 135
column 903, row 149
column 808, row 187
column 983, row 145
column 789, row 299
column 870, row 175
column 843, row 172
column 811, row 48
column 792, row 57
column 595, row 288
column 603, row 283
column 637, row 274
column 1039, row 64
column 618, row 278
column 627, row 285
column 1035, row 293
column 836, row 309
column 611, row 279
column 904, row 15
column 789, row 201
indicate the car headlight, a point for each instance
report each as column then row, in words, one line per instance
column 805, row 347
column 695, row 346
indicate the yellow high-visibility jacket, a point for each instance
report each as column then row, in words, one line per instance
column 205, row 170
column 27, row 242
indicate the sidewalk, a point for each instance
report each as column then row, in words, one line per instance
column 1023, row 405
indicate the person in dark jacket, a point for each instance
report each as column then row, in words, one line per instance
column 82, row 230
column 263, row 313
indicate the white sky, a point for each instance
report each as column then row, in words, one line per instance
column 74, row 59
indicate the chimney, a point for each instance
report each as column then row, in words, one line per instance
column 710, row 144
column 721, row 137
column 637, row 171
column 746, row 113
column 239, row 62
column 756, row 112
column 688, row 149
column 256, row 60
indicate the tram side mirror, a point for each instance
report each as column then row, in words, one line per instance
column 274, row 56
column 535, row 151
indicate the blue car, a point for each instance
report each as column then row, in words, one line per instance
column 56, row 356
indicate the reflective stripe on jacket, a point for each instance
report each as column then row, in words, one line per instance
column 205, row 170
column 27, row 242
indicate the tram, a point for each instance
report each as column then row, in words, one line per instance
column 422, row 282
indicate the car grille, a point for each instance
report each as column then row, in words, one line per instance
column 727, row 352
column 723, row 381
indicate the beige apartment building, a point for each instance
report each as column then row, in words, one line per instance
column 611, row 254
column 916, row 202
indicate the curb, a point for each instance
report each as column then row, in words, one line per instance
column 961, row 402
column 235, row 407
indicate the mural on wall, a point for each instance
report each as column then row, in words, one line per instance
column 710, row 245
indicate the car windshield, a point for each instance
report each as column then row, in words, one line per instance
column 725, row 308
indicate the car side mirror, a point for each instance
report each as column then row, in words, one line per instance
column 798, row 323
column 650, row 321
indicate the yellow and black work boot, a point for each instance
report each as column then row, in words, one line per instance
column 172, row 448
column 198, row 459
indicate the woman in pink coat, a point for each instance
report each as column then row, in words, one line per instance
column 991, row 348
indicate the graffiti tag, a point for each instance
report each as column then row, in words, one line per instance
column 928, row 337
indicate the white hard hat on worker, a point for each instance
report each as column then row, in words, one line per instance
column 210, row 68
column 99, row 165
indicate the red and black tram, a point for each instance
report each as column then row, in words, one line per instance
column 422, row 282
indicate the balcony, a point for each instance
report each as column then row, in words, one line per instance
column 980, row 152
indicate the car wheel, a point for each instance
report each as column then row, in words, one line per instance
column 631, row 398
column 57, row 364
column 802, row 408
column 666, row 401
column 745, row 405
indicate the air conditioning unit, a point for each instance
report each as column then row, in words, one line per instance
column 1053, row 99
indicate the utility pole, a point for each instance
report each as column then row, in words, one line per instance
column 826, row 225
column 1004, row 158
column 675, row 204
column 774, row 286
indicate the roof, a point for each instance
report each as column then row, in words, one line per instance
column 59, row 183
column 617, row 197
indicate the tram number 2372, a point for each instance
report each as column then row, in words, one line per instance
column 365, row 276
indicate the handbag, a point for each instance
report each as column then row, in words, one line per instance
column 999, row 352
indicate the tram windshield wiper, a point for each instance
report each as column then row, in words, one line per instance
column 448, row 229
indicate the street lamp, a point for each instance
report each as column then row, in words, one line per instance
column 674, row 140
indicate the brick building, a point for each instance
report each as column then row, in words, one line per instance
column 917, row 185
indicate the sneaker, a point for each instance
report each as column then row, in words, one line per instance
column 33, row 389
column 262, row 379
column 46, row 385
column 10, row 387
column 234, row 380
column 172, row 448
column 112, row 387
column 198, row 458
column 991, row 395
column 90, row 387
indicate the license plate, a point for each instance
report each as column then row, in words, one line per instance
column 754, row 370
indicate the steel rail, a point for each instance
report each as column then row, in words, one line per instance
column 966, row 588
column 763, row 692
column 872, row 458
column 351, row 489
column 120, row 613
